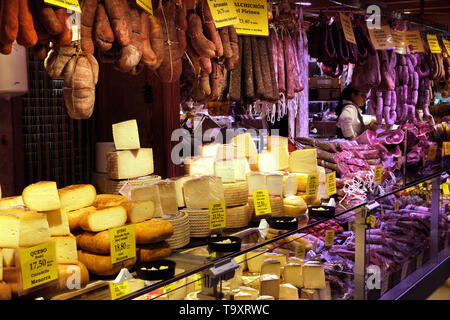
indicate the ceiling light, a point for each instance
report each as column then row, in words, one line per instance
column 304, row 3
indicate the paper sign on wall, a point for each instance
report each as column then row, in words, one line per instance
column 68, row 4
column 253, row 17
column 347, row 27
column 382, row 38
column 146, row 5
column 223, row 12
column 433, row 43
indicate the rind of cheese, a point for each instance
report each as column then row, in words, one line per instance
column 77, row 196
column 41, row 196
column 127, row 164
column 58, row 222
column 126, row 135
column 303, row 161
column 102, row 219
column 66, row 249
column 105, row 200
column 138, row 211
column 72, row 276
column 75, row 216
column 10, row 202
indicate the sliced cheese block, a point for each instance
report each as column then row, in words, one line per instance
column 156, row 251
column 294, row 206
column 303, row 161
column 243, row 168
column 127, row 164
column 270, row 286
column 104, row 218
column 276, row 141
column 72, row 276
column 245, row 146
column 58, row 222
column 226, row 170
column 101, row 264
column 168, row 197
column 138, row 211
column 256, row 181
column 108, row 200
column 179, row 183
column 278, row 256
column 290, row 185
column 313, row 276
column 199, row 192
column 202, row 166
column 75, row 216
column 274, row 184
column 271, row 266
column 302, row 179
column 292, row 273
column 255, row 260
column 209, row 150
column 153, row 231
column 41, row 196
column 9, row 231
column 66, row 249
column 10, row 202
column 126, row 135
column 281, row 155
column 9, row 257
column 34, row 228
column 77, row 196
column 288, row 292
column 150, row 192
column 266, row 162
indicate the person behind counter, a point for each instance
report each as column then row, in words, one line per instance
column 351, row 122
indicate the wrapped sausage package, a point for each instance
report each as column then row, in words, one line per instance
column 198, row 193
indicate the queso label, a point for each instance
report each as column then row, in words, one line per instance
column 261, row 202
column 223, row 12
column 118, row 290
column 253, row 17
column 68, row 4
column 217, row 214
column 123, row 243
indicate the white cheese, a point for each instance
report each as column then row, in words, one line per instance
column 126, row 135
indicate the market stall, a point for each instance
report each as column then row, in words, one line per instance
column 138, row 134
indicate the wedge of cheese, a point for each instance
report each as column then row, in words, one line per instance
column 290, row 185
column 75, row 216
column 9, row 257
column 271, row 266
column 277, row 256
column 149, row 192
column 226, row 169
column 288, row 292
column 274, row 184
column 292, row 273
column 228, row 152
column 294, row 206
column 104, row 218
column 10, row 202
column 127, row 164
column 105, row 200
column 66, row 249
column 303, row 161
column 246, row 147
column 243, row 168
column 77, row 196
column 138, row 211
column 266, row 162
column 168, row 197
column 126, row 135
column 58, row 222
column 179, row 183
column 276, row 141
column 201, row 166
column 199, row 192
column 41, row 196
column 302, row 179
column 209, row 150
column 270, row 286
column 281, row 156
column 256, row 181
column 313, row 276
column 254, row 260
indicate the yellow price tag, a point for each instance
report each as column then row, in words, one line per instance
column 261, row 202
column 381, row 38
column 347, row 27
column 446, row 148
column 399, row 161
column 68, row 4
column 331, row 183
column 146, row 5
column 445, row 188
column 252, row 17
column 378, row 174
column 396, row 206
column 329, row 238
column 170, row 287
column 123, row 243
column 399, row 41
column 212, row 255
column 198, row 282
column 432, row 152
column 371, row 220
column 433, row 43
column 118, row 290
column 414, row 39
column 300, row 251
column 312, row 184
column 38, row 265
column 217, row 214
column 446, row 45
column 223, row 12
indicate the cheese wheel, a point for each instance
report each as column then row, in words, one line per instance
column 108, row 200
column 154, row 251
column 41, row 196
column 101, row 265
column 75, row 216
column 95, row 242
column 153, row 231
column 77, row 196
column 103, row 219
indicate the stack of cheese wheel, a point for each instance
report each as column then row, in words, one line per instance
column 237, row 217
column 113, row 211
column 181, row 230
column 236, row 200
column 40, row 216
column 114, row 186
column 276, row 206
column 198, row 222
